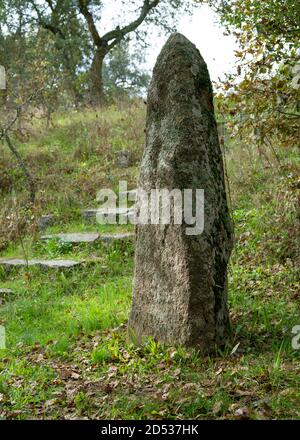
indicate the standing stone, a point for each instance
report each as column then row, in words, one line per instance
column 180, row 281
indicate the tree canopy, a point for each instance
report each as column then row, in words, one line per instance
column 76, row 39
column 264, row 92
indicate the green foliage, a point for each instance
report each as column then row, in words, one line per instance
column 54, row 248
column 68, row 354
column 71, row 161
column 123, row 74
column 263, row 95
column 62, row 45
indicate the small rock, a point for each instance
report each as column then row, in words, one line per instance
column 45, row 220
column 123, row 159
column 76, row 237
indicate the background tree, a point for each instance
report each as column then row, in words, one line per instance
column 123, row 75
column 148, row 11
column 263, row 93
column 76, row 31
column 55, row 40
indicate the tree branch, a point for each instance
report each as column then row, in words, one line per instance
column 291, row 115
column 4, row 134
column 117, row 34
column 46, row 25
column 83, row 7
column 30, row 181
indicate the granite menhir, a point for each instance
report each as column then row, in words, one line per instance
column 180, row 280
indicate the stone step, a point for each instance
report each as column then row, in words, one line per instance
column 87, row 237
column 91, row 213
column 54, row 264
column 109, row 238
column 73, row 238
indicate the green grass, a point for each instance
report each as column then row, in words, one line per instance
column 67, row 351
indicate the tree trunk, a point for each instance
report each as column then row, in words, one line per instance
column 96, row 78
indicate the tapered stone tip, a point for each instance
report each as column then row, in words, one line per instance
column 177, row 37
column 180, row 79
column 183, row 50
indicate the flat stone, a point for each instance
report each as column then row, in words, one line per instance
column 60, row 263
column 92, row 213
column 76, row 237
column 45, row 220
column 15, row 262
column 112, row 211
column 116, row 237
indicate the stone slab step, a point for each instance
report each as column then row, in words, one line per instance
column 109, row 238
column 76, row 237
column 4, row 295
column 55, row 264
column 91, row 213
column 86, row 237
